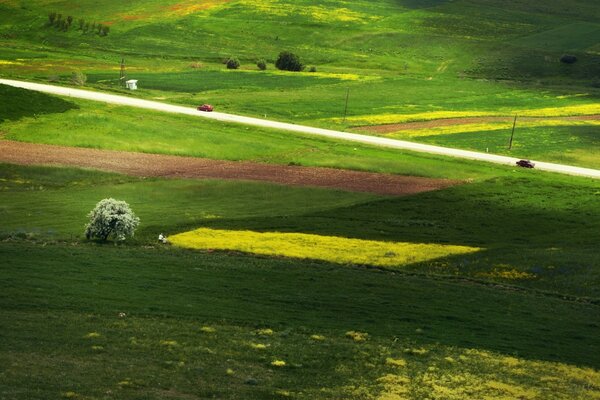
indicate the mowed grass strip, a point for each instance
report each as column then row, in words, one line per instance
column 327, row 248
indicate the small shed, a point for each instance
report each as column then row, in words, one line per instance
column 131, row 84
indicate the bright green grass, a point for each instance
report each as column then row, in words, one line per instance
column 423, row 56
column 536, row 232
column 159, row 349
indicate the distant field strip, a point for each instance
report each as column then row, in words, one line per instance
column 394, row 118
column 307, row 246
column 451, row 129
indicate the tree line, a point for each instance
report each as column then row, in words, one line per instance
column 64, row 24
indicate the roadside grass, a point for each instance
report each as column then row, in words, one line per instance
column 574, row 144
column 202, row 325
column 536, row 232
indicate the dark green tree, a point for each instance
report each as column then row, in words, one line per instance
column 288, row 62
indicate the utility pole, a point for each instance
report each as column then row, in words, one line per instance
column 512, row 134
column 122, row 74
column 346, row 106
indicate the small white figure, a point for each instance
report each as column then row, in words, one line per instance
column 162, row 238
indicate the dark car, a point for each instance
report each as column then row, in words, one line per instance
column 205, row 107
column 525, row 164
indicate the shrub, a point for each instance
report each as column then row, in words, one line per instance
column 51, row 18
column 81, row 23
column 69, row 20
column 288, row 62
column 261, row 64
column 312, row 69
column 78, row 78
column 568, row 59
column 233, row 63
column 111, row 217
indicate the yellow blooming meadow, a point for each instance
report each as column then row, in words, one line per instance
column 318, row 338
column 395, row 118
column 258, row 346
column 265, row 332
column 208, row 329
column 491, row 126
column 328, row 248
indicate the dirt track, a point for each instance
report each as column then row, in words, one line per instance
column 154, row 165
column 389, row 128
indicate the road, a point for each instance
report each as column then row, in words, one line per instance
column 371, row 140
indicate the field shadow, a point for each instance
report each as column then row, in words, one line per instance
column 17, row 103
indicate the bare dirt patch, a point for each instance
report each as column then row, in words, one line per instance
column 155, row 165
column 389, row 128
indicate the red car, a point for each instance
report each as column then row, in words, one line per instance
column 205, row 107
column 525, row 164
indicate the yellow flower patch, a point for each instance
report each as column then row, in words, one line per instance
column 92, row 335
column 395, row 362
column 278, row 363
column 490, row 126
column 327, row 248
column 208, row 329
column 318, row 338
column 357, row 336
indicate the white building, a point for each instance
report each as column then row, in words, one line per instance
column 131, row 84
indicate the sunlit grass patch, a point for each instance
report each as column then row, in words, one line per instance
column 328, row 248
column 316, row 13
column 582, row 109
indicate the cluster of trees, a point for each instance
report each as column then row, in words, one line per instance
column 63, row 24
column 286, row 61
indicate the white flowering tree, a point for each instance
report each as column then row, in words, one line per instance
column 111, row 217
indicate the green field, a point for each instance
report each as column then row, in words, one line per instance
column 502, row 303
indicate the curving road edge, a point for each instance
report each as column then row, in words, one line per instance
column 372, row 140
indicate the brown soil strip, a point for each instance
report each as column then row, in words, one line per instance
column 389, row 128
column 155, row 165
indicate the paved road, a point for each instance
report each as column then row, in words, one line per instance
column 372, row 140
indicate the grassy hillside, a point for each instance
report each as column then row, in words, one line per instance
column 199, row 325
column 485, row 290
column 394, row 56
